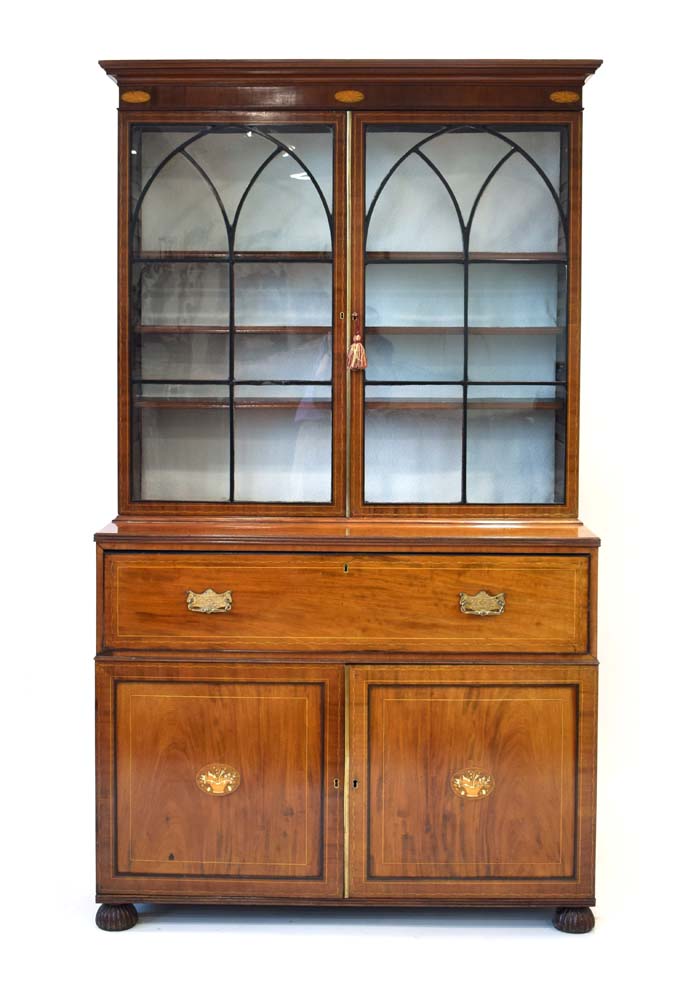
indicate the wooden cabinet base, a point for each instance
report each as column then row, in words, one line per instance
column 570, row 919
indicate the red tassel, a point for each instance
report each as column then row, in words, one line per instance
column 357, row 358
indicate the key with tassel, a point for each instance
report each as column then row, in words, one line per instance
column 357, row 358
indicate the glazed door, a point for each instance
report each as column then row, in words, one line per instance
column 471, row 782
column 230, row 314
column 227, row 779
column 464, row 278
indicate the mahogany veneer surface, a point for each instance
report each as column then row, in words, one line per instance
column 348, row 602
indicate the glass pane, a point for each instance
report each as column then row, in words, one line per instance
column 182, row 356
column 282, row 444
column 465, row 283
column 517, row 212
column 414, row 295
column 503, row 185
column 266, row 184
column 414, row 212
column 397, row 354
column 294, row 294
column 284, row 210
column 515, row 439
column 181, row 295
column 413, row 444
column 515, row 294
column 283, row 355
column 181, row 442
column 516, row 357
column 179, row 212
column 232, row 284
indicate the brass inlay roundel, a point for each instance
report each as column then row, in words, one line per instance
column 349, row 96
column 218, row 779
column 472, row 783
column 564, row 96
column 135, row 96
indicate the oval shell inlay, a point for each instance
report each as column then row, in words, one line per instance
column 564, row 96
column 349, row 96
column 135, row 96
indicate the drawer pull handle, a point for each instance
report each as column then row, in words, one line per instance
column 482, row 603
column 472, row 783
column 209, row 602
column 218, row 779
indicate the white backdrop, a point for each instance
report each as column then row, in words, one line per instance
column 59, row 465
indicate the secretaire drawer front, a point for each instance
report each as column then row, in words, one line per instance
column 430, row 603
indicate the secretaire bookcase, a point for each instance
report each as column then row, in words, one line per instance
column 347, row 611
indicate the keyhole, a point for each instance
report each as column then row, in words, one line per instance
column 345, row 567
column 355, row 782
column 337, row 783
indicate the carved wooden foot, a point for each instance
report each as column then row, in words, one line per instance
column 116, row 917
column 573, row 919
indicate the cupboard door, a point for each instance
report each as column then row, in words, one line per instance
column 463, row 290
column 471, row 782
column 224, row 778
column 235, row 267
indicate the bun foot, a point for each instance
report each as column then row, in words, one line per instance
column 573, row 919
column 116, row 917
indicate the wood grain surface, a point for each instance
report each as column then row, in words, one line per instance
column 280, row 728
column 325, row 602
column 412, row 728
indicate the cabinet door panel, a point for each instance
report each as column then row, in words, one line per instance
column 469, row 778
column 224, row 775
column 465, row 290
column 233, row 346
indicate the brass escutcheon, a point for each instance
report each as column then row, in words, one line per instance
column 218, row 779
column 472, row 783
column 209, row 602
column 482, row 603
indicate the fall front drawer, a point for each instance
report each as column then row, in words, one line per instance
column 334, row 603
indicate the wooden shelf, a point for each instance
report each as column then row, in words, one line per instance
column 223, row 403
column 388, row 331
column 239, row 257
column 182, row 403
column 456, row 257
column 224, row 330
column 423, row 403
column 388, row 403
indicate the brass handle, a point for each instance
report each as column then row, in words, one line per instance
column 209, row 602
column 218, row 779
column 472, row 783
column 482, row 603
